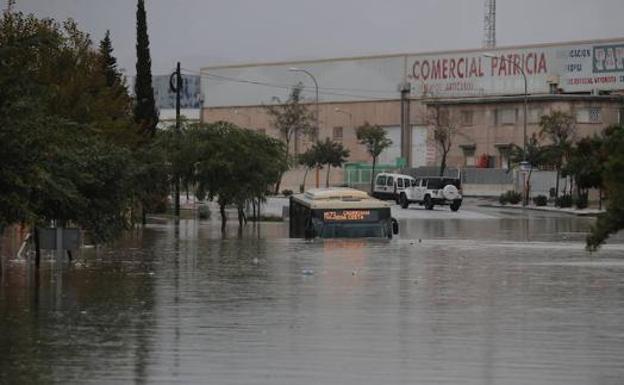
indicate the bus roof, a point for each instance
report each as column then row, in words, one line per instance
column 338, row 198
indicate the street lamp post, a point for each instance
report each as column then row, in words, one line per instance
column 524, row 132
column 318, row 125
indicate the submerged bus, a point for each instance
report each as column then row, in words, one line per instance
column 340, row 213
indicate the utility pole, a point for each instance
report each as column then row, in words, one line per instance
column 406, row 126
column 177, row 89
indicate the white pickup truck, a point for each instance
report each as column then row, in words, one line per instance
column 432, row 191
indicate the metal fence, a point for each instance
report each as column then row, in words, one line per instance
column 485, row 176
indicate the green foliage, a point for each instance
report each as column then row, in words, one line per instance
column 291, row 118
column 308, row 159
column 586, row 163
column 234, row 165
column 375, row 140
column 581, row 201
column 512, row 197
column 540, row 200
column 558, row 127
column 145, row 113
column 204, row 212
column 66, row 135
column 535, row 155
column 109, row 62
column 564, row 201
column 612, row 220
column 331, row 154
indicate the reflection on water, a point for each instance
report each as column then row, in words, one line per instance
column 470, row 303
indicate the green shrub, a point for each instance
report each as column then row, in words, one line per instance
column 540, row 200
column 287, row 192
column 581, row 201
column 564, row 201
column 204, row 212
column 510, row 197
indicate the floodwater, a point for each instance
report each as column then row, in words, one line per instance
column 496, row 297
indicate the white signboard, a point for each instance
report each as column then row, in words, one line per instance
column 572, row 68
column 190, row 94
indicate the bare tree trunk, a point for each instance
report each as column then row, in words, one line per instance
column 528, row 187
column 557, row 186
column 327, row 176
column 372, row 183
column 37, row 249
column 443, row 163
column 599, row 198
column 223, row 215
column 277, row 185
column 241, row 217
column 305, row 176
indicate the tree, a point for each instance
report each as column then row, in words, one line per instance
column 145, row 114
column 444, row 129
column 291, row 118
column 330, row 153
column 109, row 62
column 375, row 140
column 534, row 155
column 65, row 136
column 559, row 128
column 585, row 164
column 234, row 165
column 612, row 220
column 309, row 160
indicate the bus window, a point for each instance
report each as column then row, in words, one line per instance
column 390, row 181
column 381, row 180
column 400, row 182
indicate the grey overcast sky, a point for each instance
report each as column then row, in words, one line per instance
column 204, row 32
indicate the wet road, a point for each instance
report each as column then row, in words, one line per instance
column 484, row 297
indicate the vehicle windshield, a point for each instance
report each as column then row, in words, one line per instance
column 353, row 230
column 439, row 183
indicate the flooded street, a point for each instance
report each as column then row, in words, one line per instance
column 483, row 296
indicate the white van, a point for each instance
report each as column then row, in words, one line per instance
column 390, row 186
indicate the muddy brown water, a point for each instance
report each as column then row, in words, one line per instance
column 512, row 299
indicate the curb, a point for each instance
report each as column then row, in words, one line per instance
column 578, row 213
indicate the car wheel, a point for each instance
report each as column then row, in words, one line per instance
column 428, row 203
column 404, row 201
column 455, row 206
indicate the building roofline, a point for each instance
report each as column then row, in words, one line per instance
column 520, row 98
column 406, row 54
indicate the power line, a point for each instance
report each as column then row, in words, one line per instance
column 289, row 86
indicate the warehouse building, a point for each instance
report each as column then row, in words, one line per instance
column 480, row 92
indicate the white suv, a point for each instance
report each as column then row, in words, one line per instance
column 431, row 191
column 390, row 186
